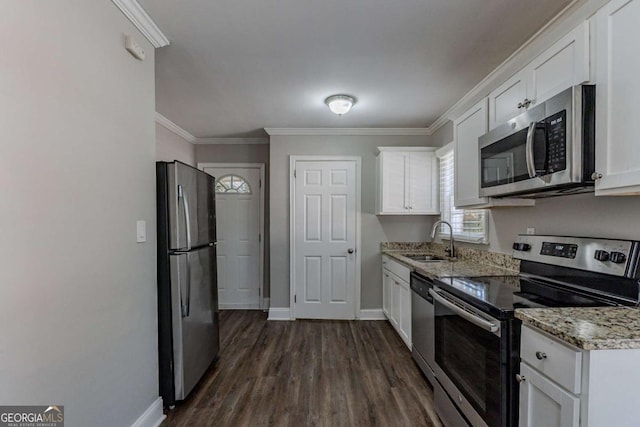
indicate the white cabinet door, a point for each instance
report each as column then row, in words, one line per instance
column 617, row 94
column 404, row 291
column 408, row 181
column 387, row 284
column 505, row 101
column 467, row 130
column 563, row 65
column 543, row 403
column 394, row 304
column 423, row 174
column 393, row 178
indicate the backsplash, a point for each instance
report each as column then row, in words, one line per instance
column 465, row 253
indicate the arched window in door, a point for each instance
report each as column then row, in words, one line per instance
column 232, row 184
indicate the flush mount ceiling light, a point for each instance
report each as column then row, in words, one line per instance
column 340, row 104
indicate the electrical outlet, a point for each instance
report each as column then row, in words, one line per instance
column 531, row 230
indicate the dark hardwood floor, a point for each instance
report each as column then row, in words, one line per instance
column 308, row 373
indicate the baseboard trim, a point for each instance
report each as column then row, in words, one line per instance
column 152, row 417
column 279, row 314
column 372, row 314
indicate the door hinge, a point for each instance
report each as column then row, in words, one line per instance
column 294, row 173
column 259, row 183
column 259, row 238
column 295, row 299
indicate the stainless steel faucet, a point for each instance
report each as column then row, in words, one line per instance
column 452, row 253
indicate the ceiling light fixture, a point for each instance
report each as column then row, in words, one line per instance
column 340, row 104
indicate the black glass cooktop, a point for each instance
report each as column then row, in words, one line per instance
column 500, row 296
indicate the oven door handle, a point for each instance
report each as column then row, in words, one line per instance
column 476, row 320
column 531, row 166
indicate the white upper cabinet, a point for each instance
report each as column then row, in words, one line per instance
column 563, row 65
column 617, row 93
column 407, row 181
column 506, row 101
column 466, row 131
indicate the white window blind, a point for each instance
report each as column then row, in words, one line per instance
column 469, row 225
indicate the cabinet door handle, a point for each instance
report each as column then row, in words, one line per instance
column 520, row 378
column 596, row 176
column 520, row 105
column 540, row 355
column 527, row 102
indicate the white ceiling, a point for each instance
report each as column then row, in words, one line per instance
column 237, row 66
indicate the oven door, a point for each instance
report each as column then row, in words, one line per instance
column 471, row 360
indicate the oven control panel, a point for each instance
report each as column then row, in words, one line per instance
column 562, row 250
column 609, row 256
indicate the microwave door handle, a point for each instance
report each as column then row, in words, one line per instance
column 531, row 166
column 478, row 321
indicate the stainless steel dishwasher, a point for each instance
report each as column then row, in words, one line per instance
column 422, row 325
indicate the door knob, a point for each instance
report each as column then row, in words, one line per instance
column 520, row 378
column 540, row 355
column 351, row 250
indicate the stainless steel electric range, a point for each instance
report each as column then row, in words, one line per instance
column 477, row 338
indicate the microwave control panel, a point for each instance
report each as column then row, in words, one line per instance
column 556, row 142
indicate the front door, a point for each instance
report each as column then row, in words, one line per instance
column 325, row 239
column 238, row 236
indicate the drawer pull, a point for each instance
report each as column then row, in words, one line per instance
column 541, row 355
column 520, row 378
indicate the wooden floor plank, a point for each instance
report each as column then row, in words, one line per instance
column 308, row 373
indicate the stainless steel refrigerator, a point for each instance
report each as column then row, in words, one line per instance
column 188, row 333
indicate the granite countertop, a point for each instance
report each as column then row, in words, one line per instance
column 455, row 268
column 588, row 328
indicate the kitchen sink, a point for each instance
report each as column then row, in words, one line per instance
column 425, row 258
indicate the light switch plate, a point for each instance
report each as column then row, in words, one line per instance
column 141, row 231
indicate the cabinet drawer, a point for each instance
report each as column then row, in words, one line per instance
column 396, row 268
column 556, row 360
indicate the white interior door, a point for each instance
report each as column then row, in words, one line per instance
column 238, row 235
column 325, row 239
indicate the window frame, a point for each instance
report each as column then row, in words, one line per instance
column 446, row 213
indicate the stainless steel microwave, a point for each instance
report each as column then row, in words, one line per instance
column 547, row 151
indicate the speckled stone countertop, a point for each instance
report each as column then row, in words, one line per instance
column 469, row 262
column 588, row 328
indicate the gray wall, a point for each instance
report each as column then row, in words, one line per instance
column 375, row 229
column 243, row 153
column 78, row 295
column 581, row 215
column 170, row 147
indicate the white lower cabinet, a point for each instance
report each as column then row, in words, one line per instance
column 396, row 297
column 564, row 386
column 544, row 403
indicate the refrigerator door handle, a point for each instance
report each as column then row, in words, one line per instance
column 188, row 305
column 185, row 205
column 185, row 303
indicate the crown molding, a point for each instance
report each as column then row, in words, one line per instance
column 349, row 131
column 210, row 141
column 170, row 126
column 142, row 21
column 516, row 61
column 174, row 128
